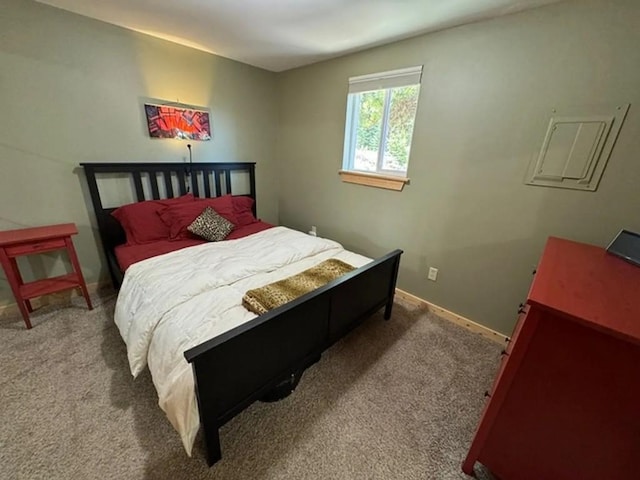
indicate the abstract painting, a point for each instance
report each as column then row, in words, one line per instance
column 184, row 123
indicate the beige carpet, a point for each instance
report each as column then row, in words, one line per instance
column 394, row 400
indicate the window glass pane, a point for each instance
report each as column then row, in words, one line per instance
column 369, row 130
column 402, row 115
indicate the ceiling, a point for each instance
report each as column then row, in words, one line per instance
column 281, row 34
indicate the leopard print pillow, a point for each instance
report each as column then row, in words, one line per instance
column 211, row 226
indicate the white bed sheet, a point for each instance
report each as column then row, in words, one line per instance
column 170, row 303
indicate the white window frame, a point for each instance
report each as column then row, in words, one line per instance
column 366, row 83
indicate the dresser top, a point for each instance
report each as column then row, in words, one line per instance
column 588, row 284
column 32, row 234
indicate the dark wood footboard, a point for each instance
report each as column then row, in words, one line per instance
column 241, row 366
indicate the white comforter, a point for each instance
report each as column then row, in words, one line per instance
column 170, row 303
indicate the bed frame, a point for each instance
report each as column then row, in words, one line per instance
column 264, row 358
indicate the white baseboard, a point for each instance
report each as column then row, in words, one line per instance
column 452, row 317
column 59, row 298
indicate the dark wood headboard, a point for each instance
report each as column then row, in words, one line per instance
column 190, row 177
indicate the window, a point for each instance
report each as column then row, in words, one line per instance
column 381, row 112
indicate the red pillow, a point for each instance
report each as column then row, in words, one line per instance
column 178, row 217
column 242, row 210
column 140, row 220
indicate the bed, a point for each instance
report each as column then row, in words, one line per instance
column 179, row 308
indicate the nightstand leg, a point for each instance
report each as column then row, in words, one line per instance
column 25, row 314
column 76, row 266
column 16, row 272
column 10, row 268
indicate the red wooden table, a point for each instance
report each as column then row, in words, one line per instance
column 29, row 241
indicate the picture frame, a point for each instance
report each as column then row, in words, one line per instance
column 177, row 122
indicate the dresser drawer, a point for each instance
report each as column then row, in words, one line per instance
column 516, row 330
column 507, row 351
column 496, row 380
column 35, row 247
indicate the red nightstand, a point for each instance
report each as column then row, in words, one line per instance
column 29, row 241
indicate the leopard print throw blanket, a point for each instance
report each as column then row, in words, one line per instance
column 263, row 299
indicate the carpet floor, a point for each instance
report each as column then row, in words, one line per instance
column 393, row 400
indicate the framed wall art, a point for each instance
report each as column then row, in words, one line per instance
column 180, row 122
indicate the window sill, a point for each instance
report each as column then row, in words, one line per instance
column 389, row 182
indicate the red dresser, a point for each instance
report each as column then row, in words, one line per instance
column 565, row 403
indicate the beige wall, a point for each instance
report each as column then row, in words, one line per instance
column 487, row 93
column 72, row 90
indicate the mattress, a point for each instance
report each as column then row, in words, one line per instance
column 170, row 303
column 127, row 255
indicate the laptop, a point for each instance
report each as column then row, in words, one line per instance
column 626, row 245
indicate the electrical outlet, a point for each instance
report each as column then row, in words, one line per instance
column 433, row 274
column 313, row 231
